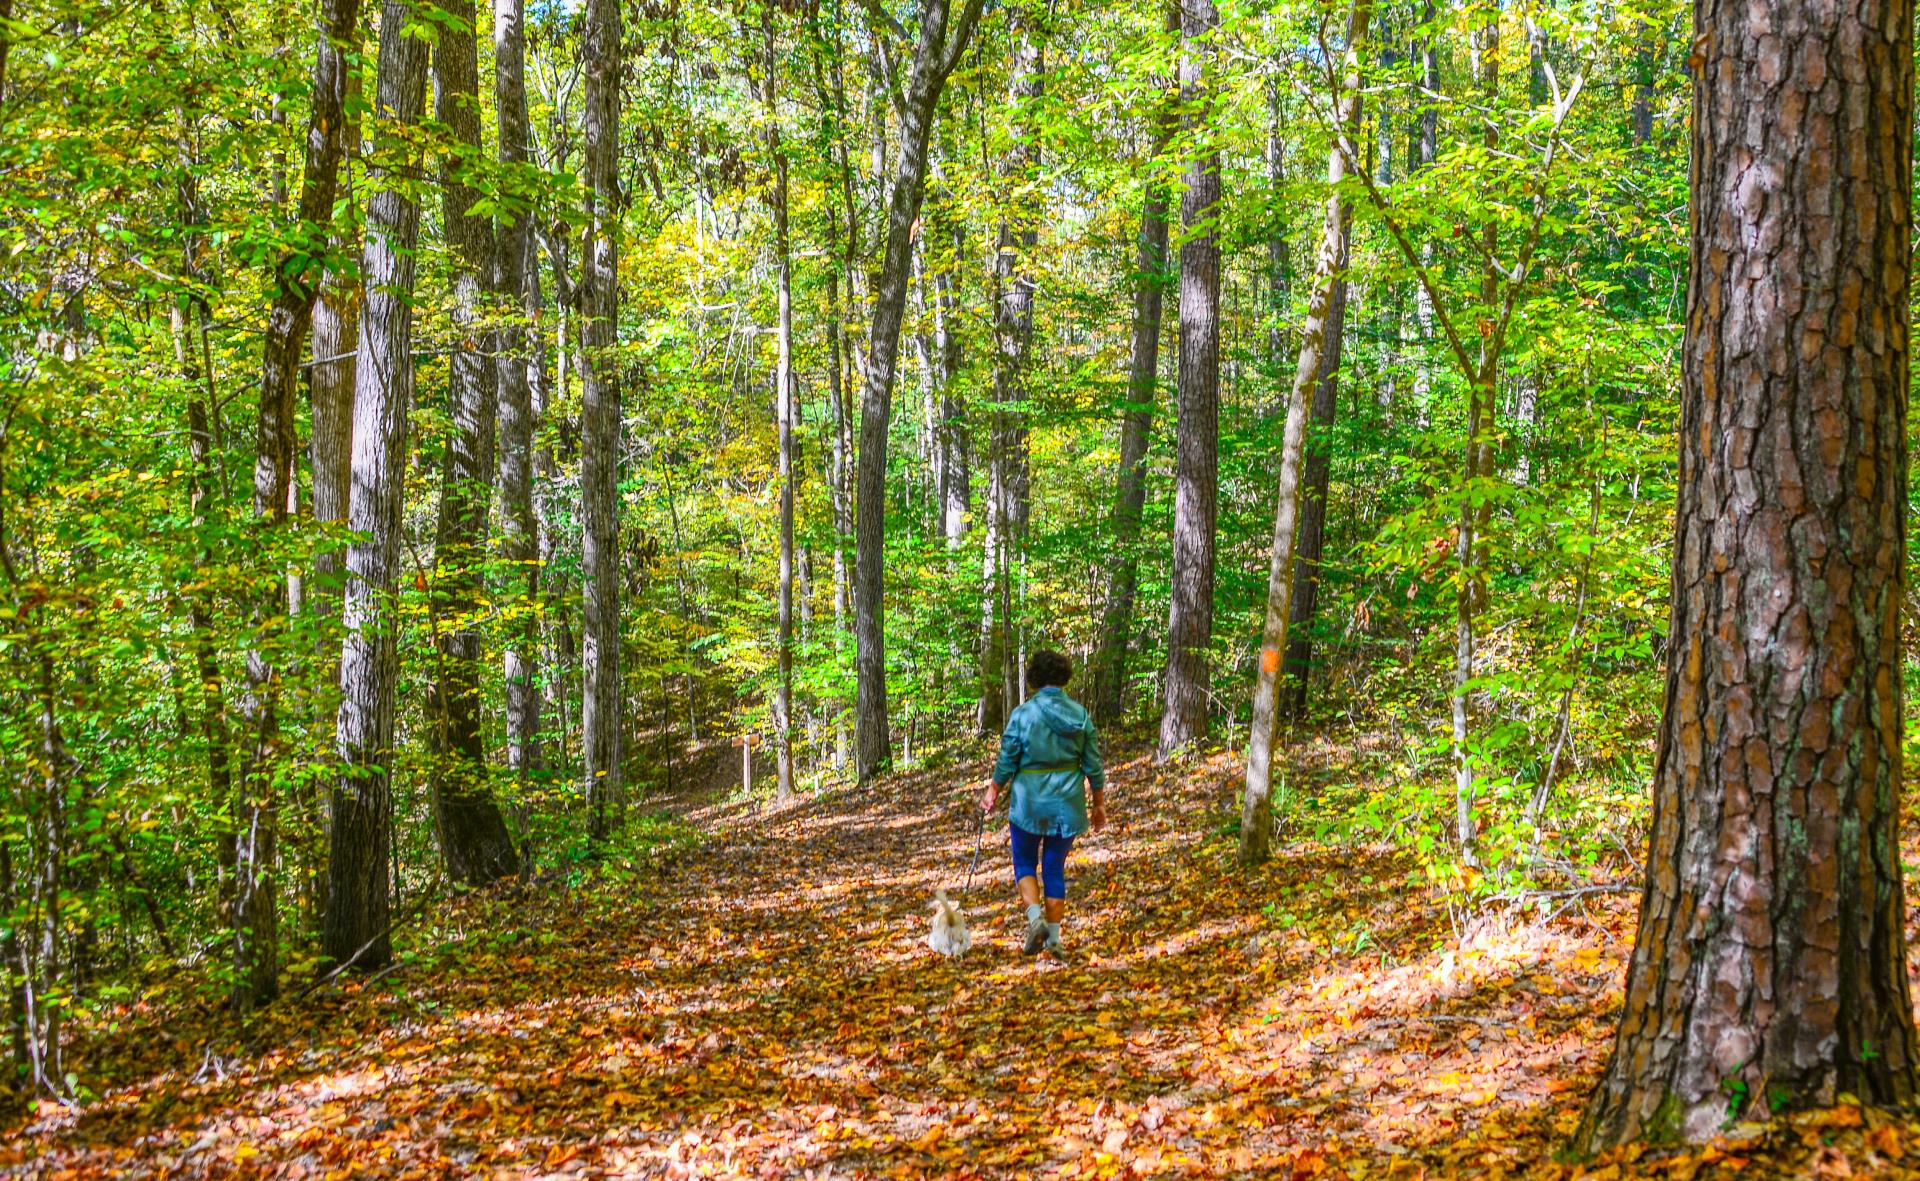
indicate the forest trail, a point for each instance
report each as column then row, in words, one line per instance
column 765, row 1006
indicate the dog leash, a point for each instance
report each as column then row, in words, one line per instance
column 979, row 842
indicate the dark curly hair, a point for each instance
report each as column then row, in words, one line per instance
column 1047, row 667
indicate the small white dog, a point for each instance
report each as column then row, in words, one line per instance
column 949, row 935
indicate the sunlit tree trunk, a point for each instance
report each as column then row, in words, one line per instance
column 1256, row 808
column 599, row 301
column 934, row 58
column 356, row 926
column 295, row 283
column 950, row 437
column 1184, row 712
column 473, row 833
column 1770, row 967
column 783, row 415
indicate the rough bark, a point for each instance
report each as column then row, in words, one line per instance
column 1184, row 712
column 1108, row 697
column 355, row 929
column 472, row 832
column 518, row 369
column 296, row 279
column 599, row 301
column 1770, row 968
column 1256, row 815
column 934, row 58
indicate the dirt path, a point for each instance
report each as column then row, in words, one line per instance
column 767, row 1008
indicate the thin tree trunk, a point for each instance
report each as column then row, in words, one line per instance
column 1256, row 808
column 1279, row 253
column 518, row 368
column 356, row 922
column 473, row 833
column 934, row 58
column 1150, row 281
column 1469, row 544
column 1001, row 681
column 1313, row 506
column 783, row 414
column 1183, row 717
column 1770, row 967
column 599, row 297
column 255, row 914
column 950, row 436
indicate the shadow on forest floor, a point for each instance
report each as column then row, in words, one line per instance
column 768, row 1008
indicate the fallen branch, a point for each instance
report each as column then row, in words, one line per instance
column 419, row 909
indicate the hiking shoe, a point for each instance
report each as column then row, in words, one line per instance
column 1036, row 936
column 1054, row 947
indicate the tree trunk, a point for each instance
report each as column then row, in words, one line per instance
column 1196, row 457
column 1313, row 506
column 1256, row 808
column 1279, row 254
column 934, row 58
column 599, row 296
column 1770, row 968
column 295, row 282
column 189, row 326
column 356, row 924
column 1002, row 685
column 473, row 834
column 1108, row 698
column 950, row 437
column 518, row 370
column 783, row 415
column 1469, row 541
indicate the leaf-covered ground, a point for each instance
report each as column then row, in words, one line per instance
column 766, row 1007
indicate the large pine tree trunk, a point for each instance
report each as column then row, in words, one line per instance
column 256, row 851
column 599, row 298
column 1770, row 969
column 473, row 834
column 518, row 370
column 356, row 923
column 934, row 58
column 1108, row 697
column 1256, row 815
column 1183, row 715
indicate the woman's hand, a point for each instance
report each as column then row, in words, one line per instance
column 1099, row 815
column 989, row 796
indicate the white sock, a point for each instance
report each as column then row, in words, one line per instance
column 1034, row 911
column 1053, row 932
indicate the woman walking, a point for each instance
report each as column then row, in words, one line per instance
column 1051, row 759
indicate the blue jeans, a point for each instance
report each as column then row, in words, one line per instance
column 1048, row 855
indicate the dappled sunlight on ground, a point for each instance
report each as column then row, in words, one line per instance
column 767, row 1007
